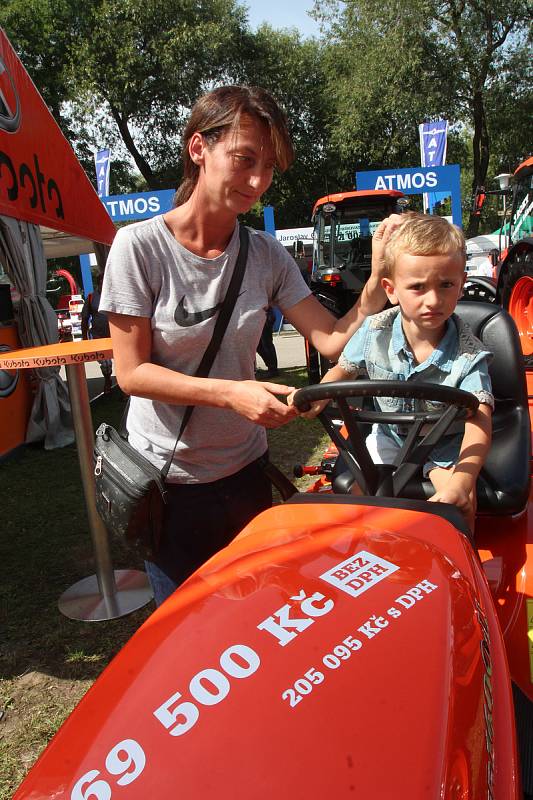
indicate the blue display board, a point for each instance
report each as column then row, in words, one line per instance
column 130, row 207
column 417, row 180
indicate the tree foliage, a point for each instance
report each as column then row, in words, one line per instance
column 293, row 71
column 125, row 73
column 378, row 77
column 44, row 33
column 143, row 62
column 395, row 63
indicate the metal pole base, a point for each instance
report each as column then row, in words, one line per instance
column 83, row 600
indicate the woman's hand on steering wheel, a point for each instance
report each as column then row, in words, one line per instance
column 258, row 402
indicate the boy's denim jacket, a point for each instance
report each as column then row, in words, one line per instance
column 380, row 349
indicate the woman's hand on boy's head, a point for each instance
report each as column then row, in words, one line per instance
column 373, row 297
column 380, row 238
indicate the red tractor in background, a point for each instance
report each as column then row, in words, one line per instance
column 342, row 252
column 515, row 271
column 512, row 283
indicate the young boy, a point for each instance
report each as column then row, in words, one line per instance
column 420, row 338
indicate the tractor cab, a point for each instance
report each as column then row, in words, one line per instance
column 515, row 271
column 521, row 221
column 344, row 224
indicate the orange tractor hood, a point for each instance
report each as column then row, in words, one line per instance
column 335, row 650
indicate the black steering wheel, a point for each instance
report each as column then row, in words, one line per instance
column 426, row 428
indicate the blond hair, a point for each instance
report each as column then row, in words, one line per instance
column 424, row 235
column 219, row 112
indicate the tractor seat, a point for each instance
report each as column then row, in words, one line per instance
column 503, row 484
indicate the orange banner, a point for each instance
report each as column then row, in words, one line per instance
column 41, row 180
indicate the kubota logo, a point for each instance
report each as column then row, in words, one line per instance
column 9, row 101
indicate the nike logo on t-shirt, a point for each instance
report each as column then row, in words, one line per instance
column 187, row 318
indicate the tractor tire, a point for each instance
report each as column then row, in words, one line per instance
column 523, row 708
column 516, row 296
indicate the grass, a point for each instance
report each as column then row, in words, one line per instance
column 48, row 662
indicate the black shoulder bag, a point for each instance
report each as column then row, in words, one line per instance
column 130, row 490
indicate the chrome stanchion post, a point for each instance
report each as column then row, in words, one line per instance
column 82, row 420
column 108, row 594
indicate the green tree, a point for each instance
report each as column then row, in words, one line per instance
column 292, row 69
column 379, row 79
column 509, row 105
column 481, row 39
column 395, row 63
column 124, row 73
column 44, row 33
column 142, row 63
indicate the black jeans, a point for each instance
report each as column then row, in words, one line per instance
column 201, row 519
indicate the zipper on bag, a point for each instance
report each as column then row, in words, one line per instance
column 109, row 434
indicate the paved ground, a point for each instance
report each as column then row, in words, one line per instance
column 289, row 347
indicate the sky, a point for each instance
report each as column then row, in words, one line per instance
column 282, row 14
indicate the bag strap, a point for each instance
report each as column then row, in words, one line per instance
column 218, row 333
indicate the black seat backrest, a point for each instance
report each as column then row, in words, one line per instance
column 503, row 485
column 496, row 329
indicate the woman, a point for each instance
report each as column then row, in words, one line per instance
column 164, row 280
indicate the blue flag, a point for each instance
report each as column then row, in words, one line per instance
column 433, row 141
column 102, row 163
column 433, row 136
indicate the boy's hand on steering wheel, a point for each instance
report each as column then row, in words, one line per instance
column 457, row 495
column 258, row 402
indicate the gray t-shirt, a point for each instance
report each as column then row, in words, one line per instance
column 149, row 274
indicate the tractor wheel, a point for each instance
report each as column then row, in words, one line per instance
column 517, row 298
column 523, row 709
